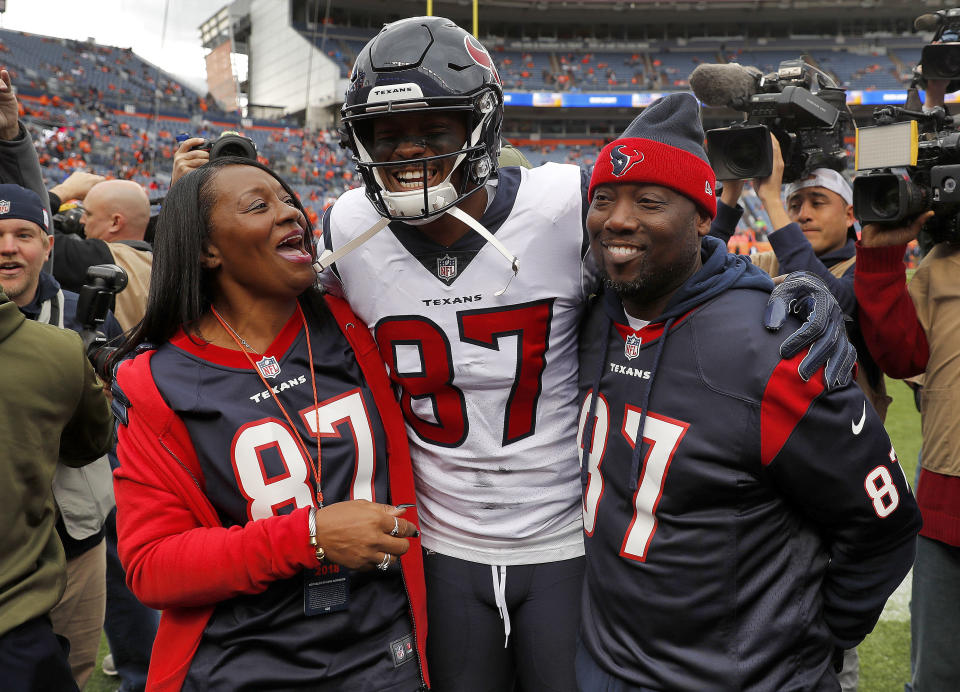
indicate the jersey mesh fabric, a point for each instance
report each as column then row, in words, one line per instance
column 487, row 382
column 252, row 465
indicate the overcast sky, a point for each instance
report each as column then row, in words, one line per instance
column 137, row 24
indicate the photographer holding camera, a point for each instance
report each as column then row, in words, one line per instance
column 911, row 330
column 113, row 223
column 813, row 232
column 193, row 152
column 915, row 329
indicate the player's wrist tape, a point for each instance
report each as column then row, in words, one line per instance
column 312, row 524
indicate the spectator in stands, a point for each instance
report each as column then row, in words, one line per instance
column 83, row 496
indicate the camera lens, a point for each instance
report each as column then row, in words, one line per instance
column 941, row 61
column 740, row 152
column 741, row 155
column 886, row 205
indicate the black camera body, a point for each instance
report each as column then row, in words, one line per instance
column 941, row 58
column 229, row 143
column 68, row 221
column 805, row 111
column 103, row 282
column 929, row 180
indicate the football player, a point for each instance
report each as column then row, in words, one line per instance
column 756, row 526
column 481, row 347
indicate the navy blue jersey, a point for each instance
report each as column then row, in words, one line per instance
column 254, row 466
column 764, row 522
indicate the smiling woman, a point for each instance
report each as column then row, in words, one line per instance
column 263, row 458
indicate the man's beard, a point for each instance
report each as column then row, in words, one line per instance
column 651, row 282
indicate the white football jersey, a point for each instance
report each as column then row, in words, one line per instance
column 488, row 384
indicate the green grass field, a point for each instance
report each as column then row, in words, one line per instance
column 885, row 654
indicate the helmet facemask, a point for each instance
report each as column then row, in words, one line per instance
column 419, row 66
column 424, row 204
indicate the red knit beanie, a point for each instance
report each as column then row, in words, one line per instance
column 662, row 146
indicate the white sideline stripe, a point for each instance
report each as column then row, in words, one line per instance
column 898, row 605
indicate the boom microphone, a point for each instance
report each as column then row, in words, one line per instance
column 927, row 22
column 725, row 85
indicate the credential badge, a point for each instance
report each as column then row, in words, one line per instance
column 268, row 366
column 631, row 348
column 447, row 267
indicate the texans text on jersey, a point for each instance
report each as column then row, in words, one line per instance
column 452, row 301
column 633, row 372
column 265, row 394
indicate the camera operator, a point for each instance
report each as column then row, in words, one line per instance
column 193, row 152
column 915, row 329
column 813, row 232
column 84, row 496
column 911, row 330
column 188, row 156
column 115, row 218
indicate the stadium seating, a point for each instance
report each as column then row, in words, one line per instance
column 106, row 109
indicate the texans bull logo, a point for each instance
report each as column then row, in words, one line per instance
column 480, row 56
column 623, row 158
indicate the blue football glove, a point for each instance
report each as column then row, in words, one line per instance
column 804, row 294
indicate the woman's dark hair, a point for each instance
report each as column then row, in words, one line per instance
column 179, row 285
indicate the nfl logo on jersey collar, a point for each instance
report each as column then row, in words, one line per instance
column 446, row 267
column 631, row 347
column 268, row 367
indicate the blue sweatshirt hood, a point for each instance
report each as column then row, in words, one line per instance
column 719, row 272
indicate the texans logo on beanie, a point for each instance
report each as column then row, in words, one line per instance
column 662, row 146
column 20, row 203
column 623, row 159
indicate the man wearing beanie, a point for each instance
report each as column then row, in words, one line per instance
column 758, row 524
column 52, row 406
column 83, row 496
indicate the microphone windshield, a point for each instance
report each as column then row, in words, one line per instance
column 927, row 22
column 724, row 85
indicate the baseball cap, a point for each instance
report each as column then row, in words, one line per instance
column 826, row 178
